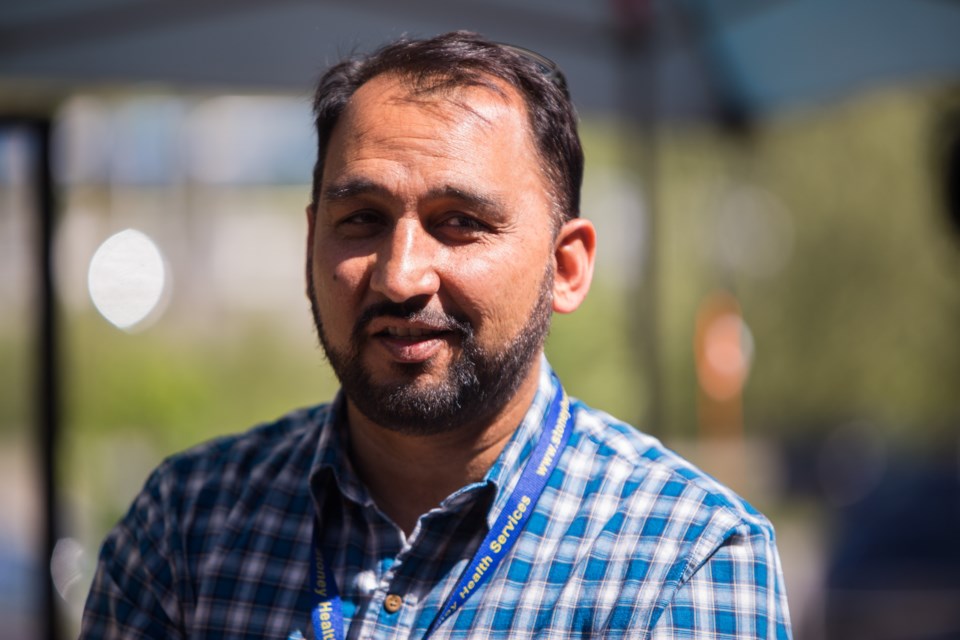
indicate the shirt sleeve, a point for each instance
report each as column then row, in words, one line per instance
column 737, row 593
column 134, row 590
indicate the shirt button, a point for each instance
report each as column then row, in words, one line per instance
column 393, row 603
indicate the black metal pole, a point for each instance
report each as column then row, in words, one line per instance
column 48, row 384
column 46, row 381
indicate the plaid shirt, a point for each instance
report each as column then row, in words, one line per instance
column 627, row 540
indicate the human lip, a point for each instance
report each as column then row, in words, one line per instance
column 409, row 332
column 403, row 328
column 407, row 342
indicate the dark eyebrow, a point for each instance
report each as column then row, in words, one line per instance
column 353, row 188
column 484, row 204
column 356, row 187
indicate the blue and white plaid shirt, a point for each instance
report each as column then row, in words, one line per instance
column 628, row 540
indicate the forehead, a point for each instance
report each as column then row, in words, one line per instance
column 472, row 137
column 444, row 115
column 481, row 94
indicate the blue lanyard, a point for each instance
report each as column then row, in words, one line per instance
column 328, row 612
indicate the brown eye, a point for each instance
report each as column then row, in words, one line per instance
column 465, row 222
column 361, row 224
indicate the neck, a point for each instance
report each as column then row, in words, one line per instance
column 408, row 475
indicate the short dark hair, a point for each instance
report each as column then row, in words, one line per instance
column 462, row 59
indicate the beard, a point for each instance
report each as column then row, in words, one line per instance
column 477, row 384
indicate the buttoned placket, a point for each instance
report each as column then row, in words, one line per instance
column 396, row 604
column 397, row 567
column 388, row 554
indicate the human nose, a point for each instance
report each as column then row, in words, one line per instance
column 406, row 265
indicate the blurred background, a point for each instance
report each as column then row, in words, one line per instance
column 776, row 186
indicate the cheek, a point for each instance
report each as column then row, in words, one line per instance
column 502, row 291
column 335, row 270
column 337, row 284
column 347, row 274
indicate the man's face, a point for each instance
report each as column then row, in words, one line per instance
column 431, row 271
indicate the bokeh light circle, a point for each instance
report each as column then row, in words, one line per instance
column 127, row 278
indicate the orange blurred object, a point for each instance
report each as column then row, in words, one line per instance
column 723, row 351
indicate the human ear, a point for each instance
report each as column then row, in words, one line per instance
column 574, row 253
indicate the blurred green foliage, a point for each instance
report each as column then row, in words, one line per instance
column 178, row 389
column 862, row 321
column 16, row 379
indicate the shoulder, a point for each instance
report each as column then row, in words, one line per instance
column 685, row 551
column 203, row 499
column 195, row 498
column 255, row 447
column 658, row 494
column 275, row 455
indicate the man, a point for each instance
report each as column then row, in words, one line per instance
column 452, row 489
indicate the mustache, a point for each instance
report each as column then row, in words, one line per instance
column 412, row 312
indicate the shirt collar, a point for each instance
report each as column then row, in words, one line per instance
column 331, row 461
column 331, row 458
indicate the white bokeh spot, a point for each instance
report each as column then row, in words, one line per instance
column 127, row 278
